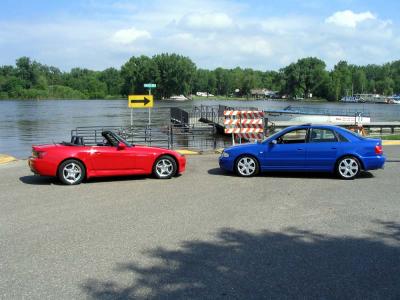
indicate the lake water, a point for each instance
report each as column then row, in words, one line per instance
column 27, row 122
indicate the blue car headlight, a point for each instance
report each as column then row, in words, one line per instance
column 225, row 154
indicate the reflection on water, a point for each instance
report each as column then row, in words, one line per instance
column 27, row 122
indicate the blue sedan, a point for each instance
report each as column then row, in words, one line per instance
column 319, row 148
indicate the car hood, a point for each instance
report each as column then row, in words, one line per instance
column 156, row 150
column 240, row 147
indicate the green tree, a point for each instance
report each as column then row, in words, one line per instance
column 360, row 82
column 136, row 72
column 306, row 76
column 176, row 74
column 113, row 80
column 87, row 82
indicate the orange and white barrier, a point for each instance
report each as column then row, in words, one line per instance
column 249, row 136
column 247, row 122
column 244, row 130
column 244, row 114
column 244, row 124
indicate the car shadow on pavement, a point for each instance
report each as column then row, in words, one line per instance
column 287, row 264
column 39, row 180
column 115, row 178
column 305, row 175
column 44, row 180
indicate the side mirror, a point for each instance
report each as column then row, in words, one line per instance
column 273, row 142
column 121, row 146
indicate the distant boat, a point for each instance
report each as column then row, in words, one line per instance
column 178, row 98
column 314, row 115
column 353, row 99
column 395, row 99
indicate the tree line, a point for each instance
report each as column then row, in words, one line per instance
column 175, row 74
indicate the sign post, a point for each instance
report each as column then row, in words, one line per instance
column 140, row 101
column 149, row 86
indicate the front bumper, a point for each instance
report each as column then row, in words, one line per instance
column 226, row 163
column 181, row 164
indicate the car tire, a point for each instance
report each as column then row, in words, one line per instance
column 71, row 172
column 164, row 167
column 246, row 166
column 348, row 167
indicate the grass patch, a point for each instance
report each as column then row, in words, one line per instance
column 390, row 137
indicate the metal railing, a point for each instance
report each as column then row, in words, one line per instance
column 171, row 136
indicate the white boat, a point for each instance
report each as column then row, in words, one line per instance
column 178, row 98
column 317, row 116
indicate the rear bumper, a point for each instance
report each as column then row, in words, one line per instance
column 42, row 167
column 31, row 164
column 374, row 162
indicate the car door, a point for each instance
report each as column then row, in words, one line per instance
column 111, row 158
column 321, row 149
column 288, row 153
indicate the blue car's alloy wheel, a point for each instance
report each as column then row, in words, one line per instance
column 348, row 167
column 246, row 166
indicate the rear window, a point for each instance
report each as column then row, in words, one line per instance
column 353, row 133
column 341, row 138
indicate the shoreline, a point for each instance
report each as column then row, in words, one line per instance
column 195, row 98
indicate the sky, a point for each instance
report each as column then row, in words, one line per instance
column 263, row 35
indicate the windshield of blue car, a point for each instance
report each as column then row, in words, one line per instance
column 273, row 137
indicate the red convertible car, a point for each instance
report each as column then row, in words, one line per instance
column 74, row 162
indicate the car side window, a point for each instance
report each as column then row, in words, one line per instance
column 341, row 137
column 297, row 136
column 319, row 135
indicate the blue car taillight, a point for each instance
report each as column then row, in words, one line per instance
column 378, row 149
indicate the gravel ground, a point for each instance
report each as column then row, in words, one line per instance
column 203, row 235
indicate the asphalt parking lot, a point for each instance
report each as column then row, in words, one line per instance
column 203, row 235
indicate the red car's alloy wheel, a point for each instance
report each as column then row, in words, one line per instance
column 71, row 172
column 164, row 167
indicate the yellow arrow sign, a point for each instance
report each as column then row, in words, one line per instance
column 140, row 101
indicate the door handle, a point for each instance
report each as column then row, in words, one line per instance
column 333, row 148
column 300, row 149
